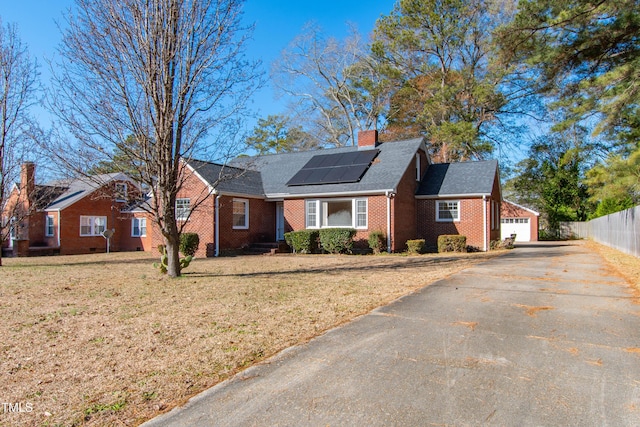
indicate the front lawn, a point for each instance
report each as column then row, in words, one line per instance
column 105, row 339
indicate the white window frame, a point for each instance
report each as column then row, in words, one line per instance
column 49, row 226
column 141, row 227
column 121, row 191
column 96, row 224
column 311, row 218
column 183, row 212
column 456, row 202
column 244, row 226
column 316, row 213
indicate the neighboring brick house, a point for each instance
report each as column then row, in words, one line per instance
column 518, row 220
column 69, row 217
column 389, row 187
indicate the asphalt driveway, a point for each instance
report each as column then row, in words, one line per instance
column 544, row 335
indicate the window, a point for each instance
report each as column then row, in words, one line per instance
column 312, row 213
column 494, row 215
column 361, row 213
column 448, row 211
column 48, row 229
column 418, row 167
column 92, row 225
column 240, row 214
column 337, row 213
column 515, row 220
column 183, row 209
column 121, row 192
column 139, row 227
column 13, row 228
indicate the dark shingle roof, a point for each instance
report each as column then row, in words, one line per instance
column 227, row 179
column 384, row 174
column 457, row 179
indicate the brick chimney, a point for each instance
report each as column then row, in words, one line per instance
column 367, row 138
column 28, row 179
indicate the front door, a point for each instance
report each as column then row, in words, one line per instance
column 279, row 221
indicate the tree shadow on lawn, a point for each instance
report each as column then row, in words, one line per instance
column 97, row 262
column 406, row 264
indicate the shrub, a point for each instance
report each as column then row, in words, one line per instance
column 337, row 240
column 415, row 246
column 303, row 241
column 189, row 243
column 377, row 241
column 452, row 243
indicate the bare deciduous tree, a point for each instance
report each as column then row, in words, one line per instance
column 18, row 88
column 335, row 84
column 170, row 73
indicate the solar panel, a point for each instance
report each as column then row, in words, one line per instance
column 335, row 168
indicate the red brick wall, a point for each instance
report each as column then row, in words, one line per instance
column 471, row 223
column 97, row 204
column 509, row 210
column 131, row 243
column 202, row 220
column 404, row 207
column 262, row 223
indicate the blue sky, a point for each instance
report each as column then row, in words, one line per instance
column 277, row 23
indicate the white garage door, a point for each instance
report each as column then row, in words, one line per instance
column 518, row 226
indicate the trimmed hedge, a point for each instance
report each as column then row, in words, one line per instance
column 377, row 241
column 302, row 241
column 452, row 243
column 189, row 243
column 415, row 246
column 337, row 240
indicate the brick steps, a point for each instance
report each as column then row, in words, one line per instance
column 268, row 248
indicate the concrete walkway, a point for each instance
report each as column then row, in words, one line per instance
column 544, row 335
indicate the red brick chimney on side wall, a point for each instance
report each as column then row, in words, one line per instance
column 27, row 180
column 367, row 138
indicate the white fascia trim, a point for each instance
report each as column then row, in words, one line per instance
column 522, row 207
column 455, row 196
column 239, row 195
column 281, row 196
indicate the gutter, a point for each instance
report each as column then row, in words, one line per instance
column 217, row 222
column 389, row 195
column 454, row 196
column 484, row 221
column 281, row 196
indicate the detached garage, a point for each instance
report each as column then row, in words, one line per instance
column 518, row 220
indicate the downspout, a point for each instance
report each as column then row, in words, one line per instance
column 59, row 230
column 390, row 195
column 484, row 220
column 217, row 226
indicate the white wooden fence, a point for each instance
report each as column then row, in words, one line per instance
column 620, row 230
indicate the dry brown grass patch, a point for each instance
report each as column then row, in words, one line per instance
column 625, row 265
column 105, row 340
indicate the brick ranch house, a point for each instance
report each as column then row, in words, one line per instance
column 69, row 217
column 390, row 187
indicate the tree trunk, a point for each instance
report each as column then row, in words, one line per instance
column 172, row 247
